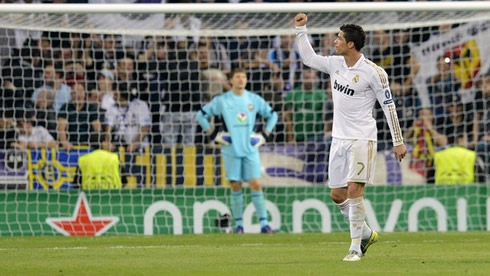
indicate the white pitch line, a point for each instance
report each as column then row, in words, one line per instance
column 46, row 248
column 146, row 246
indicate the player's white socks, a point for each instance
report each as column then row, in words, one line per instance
column 344, row 209
column 357, row 215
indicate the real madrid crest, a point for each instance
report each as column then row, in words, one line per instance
column 250, row 107
column 356, row 78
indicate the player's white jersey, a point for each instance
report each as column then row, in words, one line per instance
column 354, row 91
column 127, row 122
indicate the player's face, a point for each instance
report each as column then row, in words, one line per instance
column 25, row 128
column 486, row 86
column 340, row 44
column 239, row 80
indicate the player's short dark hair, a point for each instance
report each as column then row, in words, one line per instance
column 354, row 33
column 236, row 71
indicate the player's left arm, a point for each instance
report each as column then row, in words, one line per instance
column 266, row 111
column 381, row 87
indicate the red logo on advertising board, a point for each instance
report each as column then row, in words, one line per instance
column 82, row 223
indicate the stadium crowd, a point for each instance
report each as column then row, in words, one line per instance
column 59, row 89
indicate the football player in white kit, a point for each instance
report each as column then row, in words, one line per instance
column 356, row 85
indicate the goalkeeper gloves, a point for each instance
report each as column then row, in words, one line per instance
column 223, row 138
column 258, row 139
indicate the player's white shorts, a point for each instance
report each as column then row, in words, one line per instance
column 351, row 161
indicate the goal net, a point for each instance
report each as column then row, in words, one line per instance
column 138, row 74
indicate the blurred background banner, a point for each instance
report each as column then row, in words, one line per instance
column 13, row 168
column 465, row 48
column 52, row 169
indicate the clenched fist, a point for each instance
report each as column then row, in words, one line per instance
column 300, row 19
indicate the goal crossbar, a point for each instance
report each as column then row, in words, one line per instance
column 246, row 7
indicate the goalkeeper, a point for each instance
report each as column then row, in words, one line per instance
column 238, row 109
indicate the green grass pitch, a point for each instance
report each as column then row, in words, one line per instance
column 249, row 254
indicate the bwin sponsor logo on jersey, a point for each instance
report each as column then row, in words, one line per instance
column 344, row 89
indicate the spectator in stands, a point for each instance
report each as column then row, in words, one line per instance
column 87, row 44
column 7, row 131
column 182, row 99
column 259, row 67
column 103, row 95
column 127, row 123
column 74, row 73
column 23, row 72
column 327, row 46
column 44, row 113
column 442, row 86
column 218, row 55
column 274, row 94
column 46, row 48
column 382, row 55
column 236, row 46
column 455, row 119
column 80, row 46
column 482, row 117
column 394, row 56
column 53, row 80
column 107, row 56
column 33, row 137
column 213, row 80
column 154, row 67
column 305, row 109
column 285, row 55
column 402, row 56
column 127, row 79
column 78, row 120
column 425, row 139
column 457, row 164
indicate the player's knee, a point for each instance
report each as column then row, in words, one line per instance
column 338, row 196
column 236, row 186
column 255, row 184
column 355, row 190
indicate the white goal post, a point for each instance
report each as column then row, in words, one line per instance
column 278, row 20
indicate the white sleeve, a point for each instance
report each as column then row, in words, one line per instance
column 44, row 135
column 144, row 118
column 23, row 138
column 379, row 84
column 110, row 116
column 308, row 55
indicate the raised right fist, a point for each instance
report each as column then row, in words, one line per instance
column 300, row 19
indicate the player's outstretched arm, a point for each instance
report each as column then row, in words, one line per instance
column 308, row 55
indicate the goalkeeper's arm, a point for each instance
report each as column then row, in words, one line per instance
column 258, row 139
column 203, row 117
